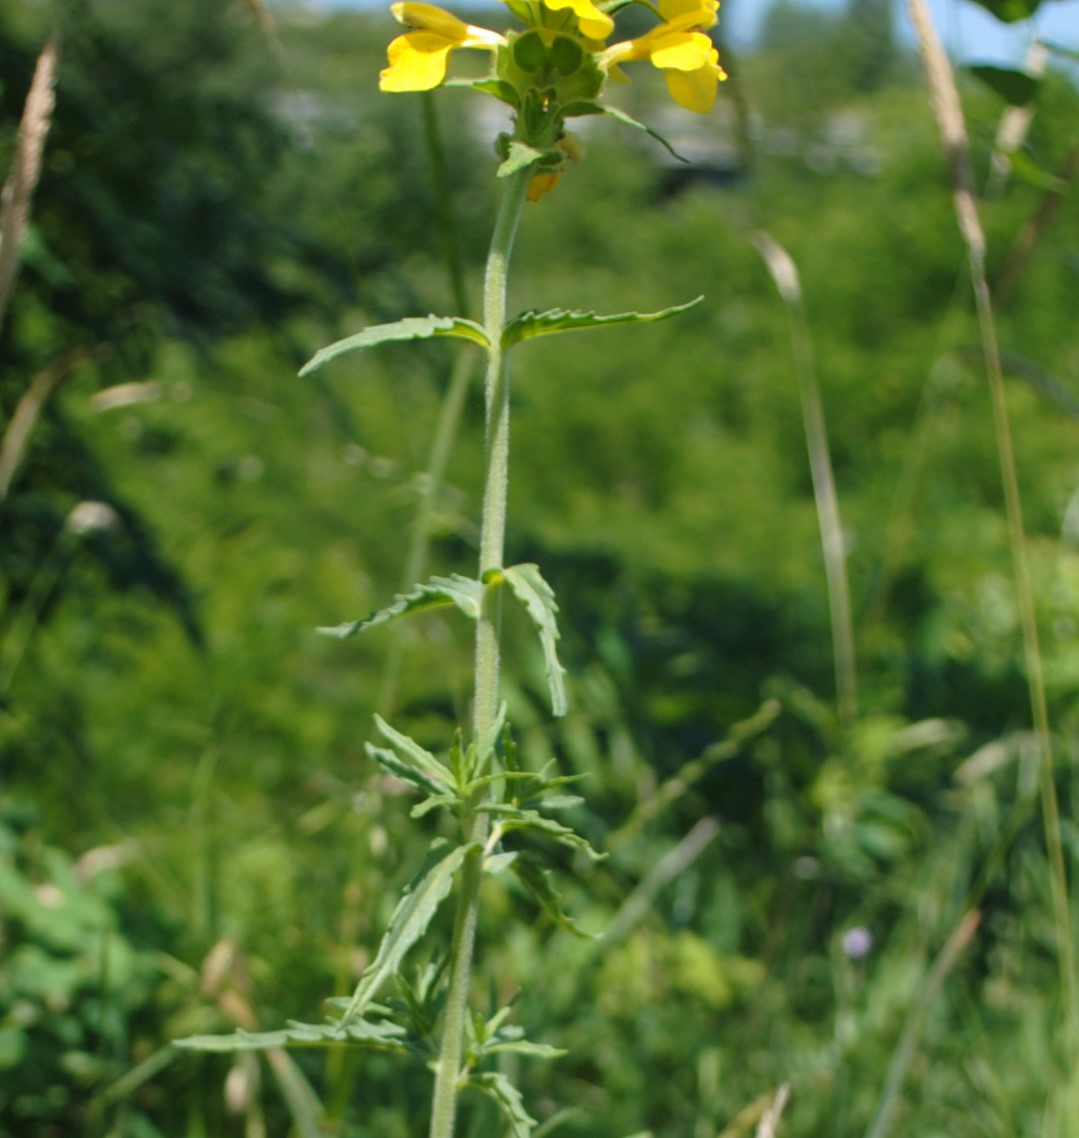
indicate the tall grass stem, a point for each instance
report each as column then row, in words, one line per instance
column 785, row 275
column 948, row 112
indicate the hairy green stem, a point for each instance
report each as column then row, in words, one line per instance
column 492, row 541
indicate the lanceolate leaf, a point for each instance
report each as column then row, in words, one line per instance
column 439, row 592
column 629, row 120
column 1010, row 11
column 411, row 328
column 1017, row 87
column 495, row 1085
column 375, row 1033
column 389, row 761
column 514, row 818
column 1027, row 170
column 537, row 881
column 439, row 775
column 427, row 891
column 536, row 595
column 531, row 323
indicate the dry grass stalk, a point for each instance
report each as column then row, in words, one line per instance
column 18, row 192
column 770, row 1122
column 262, row 15
column 833, row 544
column 949, row 115
column 953, row 132
column 15, row 438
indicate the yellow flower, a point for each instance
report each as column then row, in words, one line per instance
column 681, row 50
column 419, row 58
column 594, row 24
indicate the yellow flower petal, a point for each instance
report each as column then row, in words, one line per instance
column 428, row 18
column 689, row 13
column 684, row 51
column 593, row 23
column 694, row 90
column 418, row 62
column 418, row 59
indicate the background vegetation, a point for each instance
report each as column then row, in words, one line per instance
column 191, row 837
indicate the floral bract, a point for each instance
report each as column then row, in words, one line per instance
column 555, row 67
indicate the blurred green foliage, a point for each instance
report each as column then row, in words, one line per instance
column 217, row 203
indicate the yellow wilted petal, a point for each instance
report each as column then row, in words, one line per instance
column 418, row 62
column 541, row 184
column 593, row 23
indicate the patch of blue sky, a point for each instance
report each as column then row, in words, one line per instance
column 970, row 33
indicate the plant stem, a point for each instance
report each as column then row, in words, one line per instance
column 492, row 540
column 949, row 115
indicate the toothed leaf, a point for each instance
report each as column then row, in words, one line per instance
column 439, row 592
column 495, row 1085
column 414, row 912
column 530, row 324
column 411, row 328
column 537, row 596
column 537, row 881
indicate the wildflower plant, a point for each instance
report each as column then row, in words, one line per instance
column 553, row 67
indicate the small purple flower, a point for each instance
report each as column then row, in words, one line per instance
column 857, row 942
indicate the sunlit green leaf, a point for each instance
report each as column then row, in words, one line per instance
column 629, row 120
column 497, row 1086
column 1027, row 170
column 530, row 324
column 381, row 1033
column 537, row 881
column 514, row 818
column 410, row 328
column 414, row 912
column 436, row 802
column 437, row 772
column 439, row 592
column 521, row 156
column 537, row 596
column 389, row 761
column 496, row 863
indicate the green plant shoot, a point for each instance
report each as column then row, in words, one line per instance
column 553, row 67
